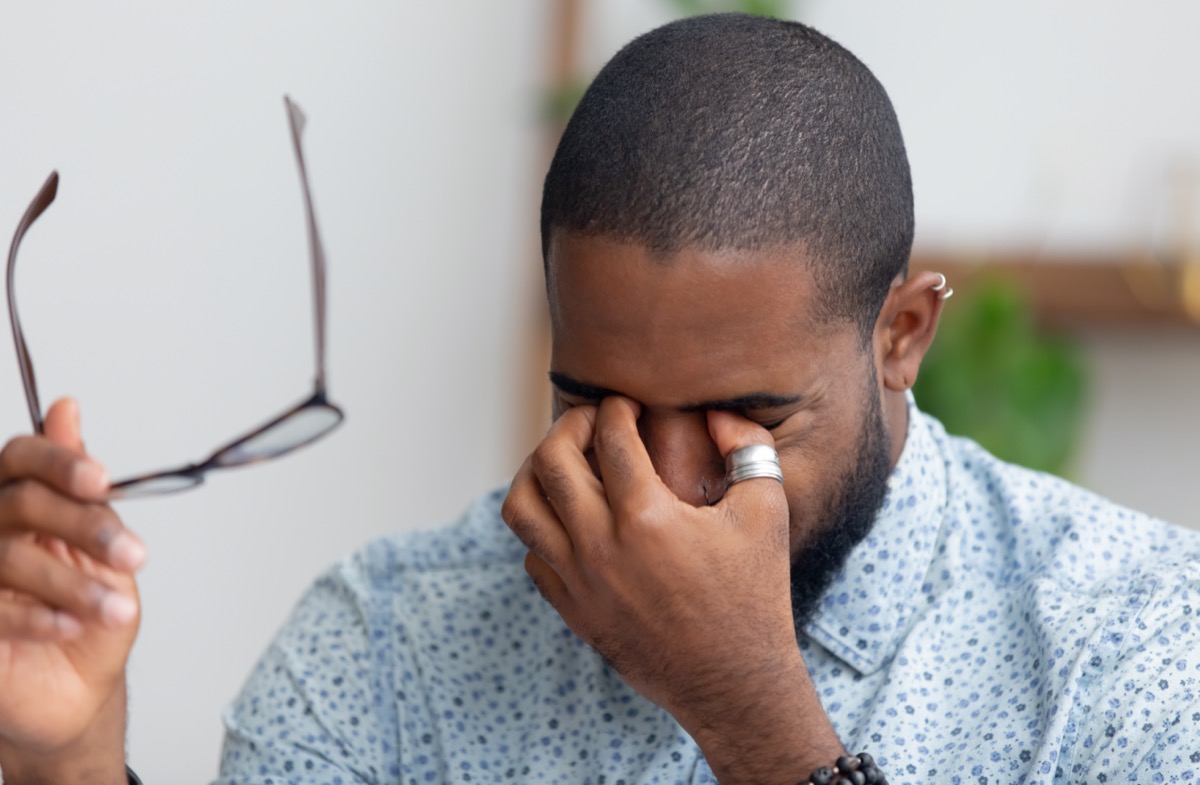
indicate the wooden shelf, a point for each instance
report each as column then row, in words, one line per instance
column 1079, row 291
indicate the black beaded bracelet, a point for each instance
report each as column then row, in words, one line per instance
column 857, row 769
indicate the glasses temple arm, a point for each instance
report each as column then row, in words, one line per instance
column 316, row 249
column 44, row 198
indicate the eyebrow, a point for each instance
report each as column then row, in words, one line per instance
column 754, row 401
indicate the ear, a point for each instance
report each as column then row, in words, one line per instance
column 906, row 326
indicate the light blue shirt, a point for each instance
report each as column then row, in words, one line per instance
column 996, row 626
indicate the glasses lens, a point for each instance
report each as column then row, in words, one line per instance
column 153, row 486
column 295, row 430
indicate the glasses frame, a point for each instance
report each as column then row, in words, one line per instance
column 227, row 456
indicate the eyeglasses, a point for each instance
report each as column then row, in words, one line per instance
column 299, row 425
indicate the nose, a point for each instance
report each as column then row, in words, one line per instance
column 684, row 455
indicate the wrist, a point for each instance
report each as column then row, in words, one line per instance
column 96, row 757
column 773, row 732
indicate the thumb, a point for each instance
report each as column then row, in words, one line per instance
column 62, row 424
column 760, row 499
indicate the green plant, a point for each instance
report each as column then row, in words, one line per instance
column 993, row 376
column 775, row 8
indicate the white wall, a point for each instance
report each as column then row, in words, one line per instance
column 168, row 288
column 1142, row 439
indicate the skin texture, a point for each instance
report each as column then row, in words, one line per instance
column 69, row 611
column 679, row 582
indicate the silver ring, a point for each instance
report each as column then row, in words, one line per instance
column 748, row 463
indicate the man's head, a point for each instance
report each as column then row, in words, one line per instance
column 726, row 225
column 738, row 132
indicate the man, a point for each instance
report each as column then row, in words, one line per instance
column 726, row 227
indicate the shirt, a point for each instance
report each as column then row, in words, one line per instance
column 997, row 625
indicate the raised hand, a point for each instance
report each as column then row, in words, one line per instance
column 69, row 610
column 691, row 605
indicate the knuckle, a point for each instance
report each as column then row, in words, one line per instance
column 526, row 531
column 539, row 583
column 518, row 520
column 97, row 524
column 553, row 475
column 6, row 456
column 36, row 456
column 80, row 593
column 612, row 446
column 769, row 503
column 543, row 458
column 36, row 622
column 644, row 514
column 520, row 523
column 23, row 500
column 606, row 441
column 597, row 552
column 60, row 465
column 537, row 570
column 10, row 461
column 576, row 419
column 510, row 509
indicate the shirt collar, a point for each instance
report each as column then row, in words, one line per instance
column 868, row 607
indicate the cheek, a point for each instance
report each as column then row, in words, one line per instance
column 807, row 487
column 813, row 471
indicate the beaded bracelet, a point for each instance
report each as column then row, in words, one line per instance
column 857, row 769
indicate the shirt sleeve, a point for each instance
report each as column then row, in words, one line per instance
column 1139, row 705
column 315, row 709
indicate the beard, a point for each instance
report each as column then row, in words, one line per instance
column 847, row 518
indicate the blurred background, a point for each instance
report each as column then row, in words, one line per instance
column 1056, row 161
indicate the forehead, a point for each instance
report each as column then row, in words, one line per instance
column 695, row 325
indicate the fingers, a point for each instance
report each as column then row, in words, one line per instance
column 548, row 582
column 59, row 467
column 556, row 504
column 531, row 518
column 561, row 465
column 27, row 506
column 25, row 621
column 625, row 466
column 761, row 498
column 731, row 432
column 62, row 424
column 62, row 550
column 49, row 487
column 32, row 570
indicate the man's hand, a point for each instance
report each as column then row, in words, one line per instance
column 692, row 606
column 69, row 610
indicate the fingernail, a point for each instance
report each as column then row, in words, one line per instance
column 118, row 609
column 126, row 552
column 89, row 479
column 68, row 626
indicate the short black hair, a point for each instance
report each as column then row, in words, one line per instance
column 733, row 131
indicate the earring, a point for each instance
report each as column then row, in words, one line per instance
column 944, row 292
